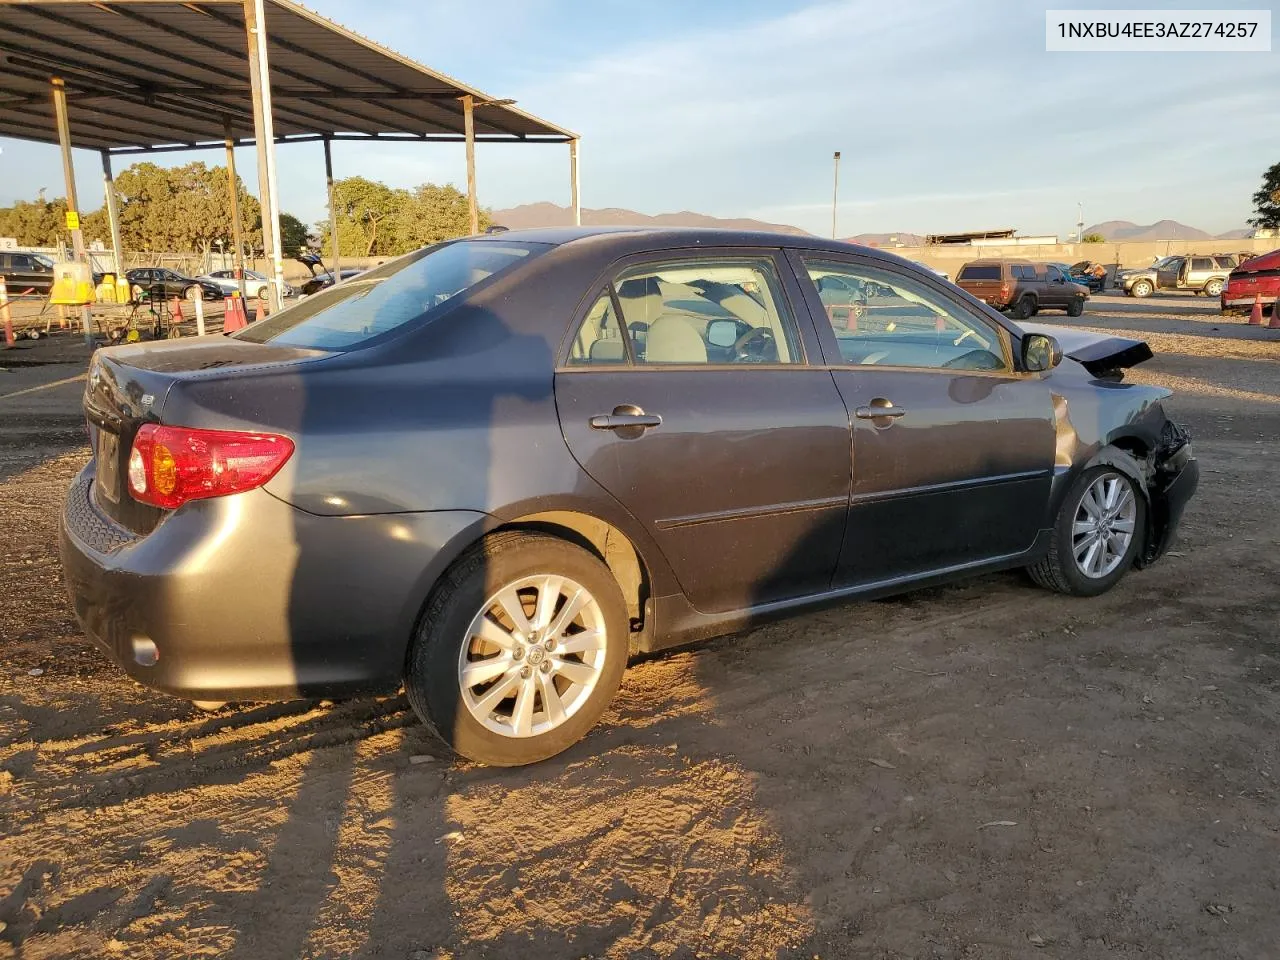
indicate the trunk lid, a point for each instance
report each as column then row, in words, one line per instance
column 127, row 387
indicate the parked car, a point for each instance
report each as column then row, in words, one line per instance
column 1021, row 287
column 148, row 281
column 496, row 467
column 1256, row 277
column 1086, row 273
column 26, row 271
column 1199, row 273
column 255, row 284
column 322, row 281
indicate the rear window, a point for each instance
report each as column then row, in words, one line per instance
column 980, row 271
column 388, row 298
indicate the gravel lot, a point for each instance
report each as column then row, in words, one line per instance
column 978, row 771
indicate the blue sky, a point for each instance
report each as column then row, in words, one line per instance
column 949, row 115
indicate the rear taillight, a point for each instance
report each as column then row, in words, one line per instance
column 170, row 465
column 1004, row 290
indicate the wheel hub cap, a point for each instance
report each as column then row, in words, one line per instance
column 532, row 655
column 1104, row 524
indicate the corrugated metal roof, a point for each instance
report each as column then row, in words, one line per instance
column 148, row 74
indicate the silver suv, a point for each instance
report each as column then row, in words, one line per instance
column 1201, row 273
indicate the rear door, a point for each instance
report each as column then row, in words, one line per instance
column 953, row 450
column 684, row 392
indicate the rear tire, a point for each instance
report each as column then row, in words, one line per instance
column 1213, row 288
column 1076, row 307
column 1024, row 308
column 1062, row 568
column 466, row 628
column 1141, row 289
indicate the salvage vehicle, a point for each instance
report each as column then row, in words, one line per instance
column 255, row 284
column 1022, row 288
column 494, row 469
column 1257, row 277
column 1201, row 274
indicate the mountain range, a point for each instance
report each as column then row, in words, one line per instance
column 546, row 214
column 552, row 215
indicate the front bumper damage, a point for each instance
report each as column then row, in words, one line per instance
column 1173, row 480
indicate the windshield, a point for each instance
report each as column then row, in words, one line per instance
column 387, row 298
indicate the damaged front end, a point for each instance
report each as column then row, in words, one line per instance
column 1173, row 477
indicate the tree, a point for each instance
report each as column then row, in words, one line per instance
column 1093, row 238
column 294, row 237
column 1266, row 201
column 43, row 223
column 181, row 208
column 377, row 220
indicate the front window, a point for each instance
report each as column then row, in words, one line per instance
column 886, row 319
column 394, row 295
column 41, row 261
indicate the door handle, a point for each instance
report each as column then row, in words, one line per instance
column 880, row 409
column 618, row 421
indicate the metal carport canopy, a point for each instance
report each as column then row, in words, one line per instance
column 149, row 76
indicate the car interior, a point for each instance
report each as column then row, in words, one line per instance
column 879, row 319
column 695, row 313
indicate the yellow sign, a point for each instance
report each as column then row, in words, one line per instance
column 73, row 220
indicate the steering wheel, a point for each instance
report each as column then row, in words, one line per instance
column 743, row 346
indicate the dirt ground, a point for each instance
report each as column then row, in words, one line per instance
column 978, row 771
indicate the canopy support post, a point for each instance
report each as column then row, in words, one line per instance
column 73, row 203
column 113, row 214
column 333, row 209
column 469, row 129
column 575, row 191
column 233, row 189
column 255, row 23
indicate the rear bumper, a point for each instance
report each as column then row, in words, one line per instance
column 245, row 597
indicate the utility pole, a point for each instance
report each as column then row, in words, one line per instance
column 1079, row 222
column 835, row 192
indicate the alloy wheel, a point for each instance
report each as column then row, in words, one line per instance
column 1104, row 525
column 532, row 655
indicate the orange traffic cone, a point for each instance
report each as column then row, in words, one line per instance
column 1275, row 315
column 260, row 312
column 1255, row 315
column 232, row 318
column 177, row 311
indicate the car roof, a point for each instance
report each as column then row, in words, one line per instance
column 640, row 237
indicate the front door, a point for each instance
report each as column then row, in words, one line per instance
column 696, row 410
column 1169, row 275
column 953, row 450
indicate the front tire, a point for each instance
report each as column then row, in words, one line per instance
column 522, row 646
column 1076, row 307
column 192, row 292
column 1142, row 289
column 1096, row 535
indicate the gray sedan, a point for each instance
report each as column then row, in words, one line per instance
column 494, row 469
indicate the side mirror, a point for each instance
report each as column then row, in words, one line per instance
column 722, row 333
column 1040, row 352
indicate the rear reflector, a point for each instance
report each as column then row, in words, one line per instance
column 170, row 465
